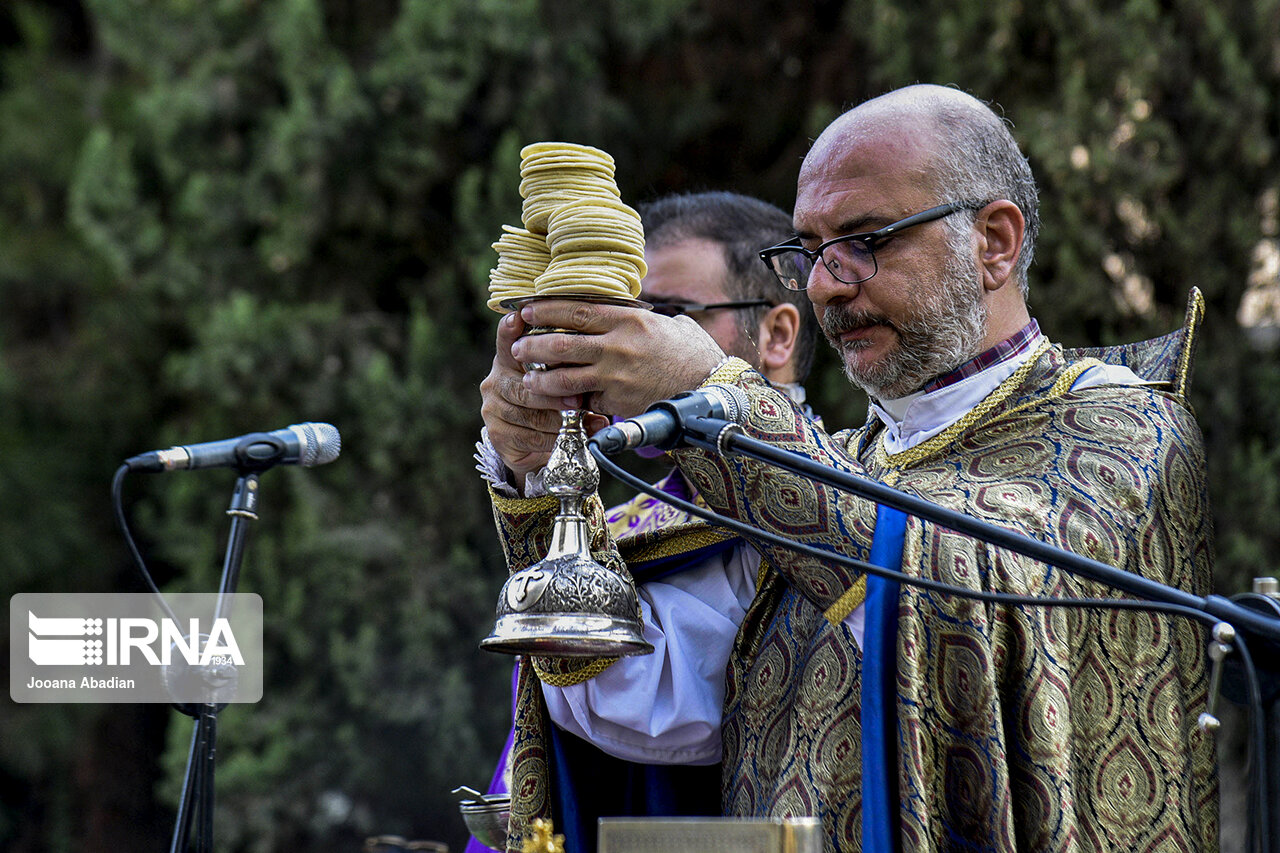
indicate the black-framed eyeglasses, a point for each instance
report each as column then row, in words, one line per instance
column 676, row 309
column 851, row 258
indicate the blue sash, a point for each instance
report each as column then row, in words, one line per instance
column 880, row 810
column 657, row 569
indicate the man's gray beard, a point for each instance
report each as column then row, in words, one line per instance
column 946, row 330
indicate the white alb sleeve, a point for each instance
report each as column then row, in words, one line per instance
column 666, row 708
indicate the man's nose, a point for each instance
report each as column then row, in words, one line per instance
column 826, row 289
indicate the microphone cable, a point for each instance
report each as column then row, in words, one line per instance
column 117, row 503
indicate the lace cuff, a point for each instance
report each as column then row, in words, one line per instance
column 499, row 476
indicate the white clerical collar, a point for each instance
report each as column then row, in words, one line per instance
column 918, row 417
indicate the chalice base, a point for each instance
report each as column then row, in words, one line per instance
column 566, row 635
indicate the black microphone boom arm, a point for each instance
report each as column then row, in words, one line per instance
column 1259, row 624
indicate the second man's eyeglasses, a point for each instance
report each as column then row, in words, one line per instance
column 675, row 309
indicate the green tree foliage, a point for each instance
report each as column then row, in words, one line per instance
column 232, row 215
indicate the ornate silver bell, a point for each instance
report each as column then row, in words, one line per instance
column 568, row 605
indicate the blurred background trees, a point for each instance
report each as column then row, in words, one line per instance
column 231, row 215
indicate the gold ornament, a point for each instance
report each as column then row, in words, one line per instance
column 541, row 839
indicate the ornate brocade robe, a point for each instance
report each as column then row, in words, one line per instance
column 1017, row 728
column 646, row 534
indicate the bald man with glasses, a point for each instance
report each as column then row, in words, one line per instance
column 901, row 717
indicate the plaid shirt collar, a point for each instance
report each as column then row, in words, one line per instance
column 1020, row 342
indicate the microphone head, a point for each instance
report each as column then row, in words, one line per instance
column 733, row 401
column 320, row 443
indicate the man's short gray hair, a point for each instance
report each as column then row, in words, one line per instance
column 980, row 161
column 741, row 226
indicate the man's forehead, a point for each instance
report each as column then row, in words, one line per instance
column 870, row 147
column 859, row 201
column 688, row 270
column 862, row 172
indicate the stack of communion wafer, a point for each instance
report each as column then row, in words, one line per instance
column 588, row 242
column 522, row 257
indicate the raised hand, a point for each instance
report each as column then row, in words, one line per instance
column 522, row 424
column 619, row 359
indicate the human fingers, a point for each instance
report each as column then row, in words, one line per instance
column 510, row 328
column 592, row 423
column 522, row 450
column 643, row 359
column 523, row 435
column 590, row 318
column 579, row 333
column 504, row 377
column 671, row 356
column 550, row 348
column 505, row 401
column 566, row 386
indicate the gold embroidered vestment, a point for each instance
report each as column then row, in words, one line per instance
column 1019, row 728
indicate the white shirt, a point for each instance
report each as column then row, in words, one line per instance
column 665, row 708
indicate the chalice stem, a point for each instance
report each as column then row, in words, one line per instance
column 567, row 604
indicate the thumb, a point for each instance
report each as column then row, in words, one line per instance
column 510, row 327
column 593, row 423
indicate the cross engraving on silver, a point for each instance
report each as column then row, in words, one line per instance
column 525, row 588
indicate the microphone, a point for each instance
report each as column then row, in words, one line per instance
column 300, row 444
column 665, row 423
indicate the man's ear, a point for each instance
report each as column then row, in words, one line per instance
column 1000, row 228
column 779, row 331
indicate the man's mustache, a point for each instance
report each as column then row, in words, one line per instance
column 839, row 319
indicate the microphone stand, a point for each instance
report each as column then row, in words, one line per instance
column 196, row 799
column 1259, row 620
